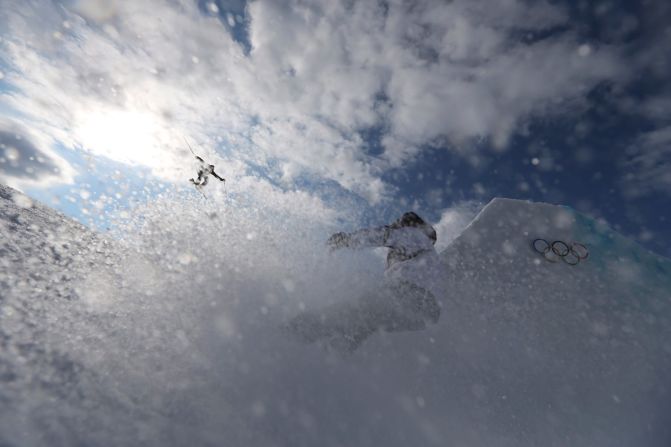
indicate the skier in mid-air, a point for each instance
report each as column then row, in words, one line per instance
column 204, row 171
column 407, row 300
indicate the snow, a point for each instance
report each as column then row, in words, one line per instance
column 167, row 332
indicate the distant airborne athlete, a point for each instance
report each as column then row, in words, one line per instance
column 204, row 171
column 406, row 302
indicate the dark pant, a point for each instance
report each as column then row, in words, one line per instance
column 344, row 326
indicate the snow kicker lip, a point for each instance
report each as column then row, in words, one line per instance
column 552, row 252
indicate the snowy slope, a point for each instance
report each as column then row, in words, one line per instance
column 83, row 355
column 581, row 353
column 175, row 341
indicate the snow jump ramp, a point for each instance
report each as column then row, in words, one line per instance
column 527, row 352
column 552, row 353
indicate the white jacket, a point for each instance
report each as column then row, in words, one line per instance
column 412, row 257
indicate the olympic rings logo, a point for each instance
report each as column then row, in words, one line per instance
column 553, row 252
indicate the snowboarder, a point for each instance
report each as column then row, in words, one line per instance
column 204, row 171
column 407, row 300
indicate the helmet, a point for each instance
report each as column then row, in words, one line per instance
column 411, row 219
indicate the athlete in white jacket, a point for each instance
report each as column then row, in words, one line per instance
column 406, row 302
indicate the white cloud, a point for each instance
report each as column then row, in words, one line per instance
column 648, row 164
column 28, row 160
column 122, row 81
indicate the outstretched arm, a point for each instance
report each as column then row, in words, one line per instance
column 218, row 177
column 368, row 237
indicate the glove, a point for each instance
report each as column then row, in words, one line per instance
column 338, row 240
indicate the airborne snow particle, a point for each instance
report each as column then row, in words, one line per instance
column 563, row 220
column 535, row 161
column 584, row 50
column 230, row 19
column 185, row 258
column 289, row 285
column 12, row 154
column 225, row 326
column 195, row 59
column 508, row 248
column 258, row 409
column 213, row 7
column 22, row 201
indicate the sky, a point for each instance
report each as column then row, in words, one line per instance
column 342, row 112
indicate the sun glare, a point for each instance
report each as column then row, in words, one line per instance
column 125, row 136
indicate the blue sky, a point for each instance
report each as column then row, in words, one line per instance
column 346, row 112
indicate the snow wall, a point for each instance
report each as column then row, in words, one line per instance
column 168, row 333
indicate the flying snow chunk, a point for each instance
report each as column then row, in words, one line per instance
column 212, row 7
